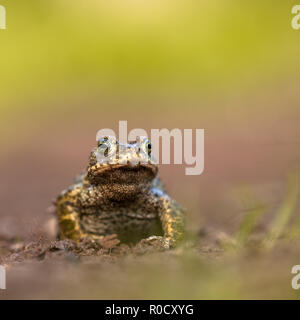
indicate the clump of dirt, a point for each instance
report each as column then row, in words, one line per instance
column 108, row 248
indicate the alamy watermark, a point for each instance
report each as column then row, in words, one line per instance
column 112, row 148
column 2, row 17
column 296, row 18
column 2, row 278
column 296, row 279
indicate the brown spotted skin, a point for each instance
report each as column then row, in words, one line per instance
column 124, row 199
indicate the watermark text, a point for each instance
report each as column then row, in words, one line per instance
column 2, row 278
column 296, row 18
column 2, row 17
column 187, row 146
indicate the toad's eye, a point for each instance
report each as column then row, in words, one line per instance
column 147, row 147
column 107, row 146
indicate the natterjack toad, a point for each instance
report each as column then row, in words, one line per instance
column 120, row 195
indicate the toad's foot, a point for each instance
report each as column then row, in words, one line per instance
column 153, row 240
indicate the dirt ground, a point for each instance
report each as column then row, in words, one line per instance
column 246, row 167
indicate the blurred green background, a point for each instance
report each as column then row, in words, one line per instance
column 156, row 48
column 69, row 68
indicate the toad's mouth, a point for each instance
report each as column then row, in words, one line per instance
column 122, row 173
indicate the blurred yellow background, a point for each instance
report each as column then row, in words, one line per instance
column 137, row 48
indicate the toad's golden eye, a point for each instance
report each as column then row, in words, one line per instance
column 107, row 146
column 146, row 146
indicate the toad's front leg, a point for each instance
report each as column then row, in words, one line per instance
column 172, row 220
column 68, row 214
column 68, row 209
